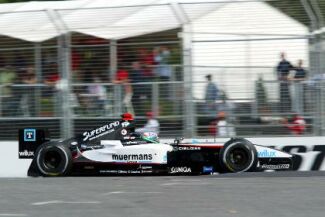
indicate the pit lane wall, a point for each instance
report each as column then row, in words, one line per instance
column 310, row 153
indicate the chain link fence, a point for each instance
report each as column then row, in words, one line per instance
column 202, row 69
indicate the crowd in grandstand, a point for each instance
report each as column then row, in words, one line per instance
column 19, row 87
column 290, row 89
column 19, row 81
column 288, row 73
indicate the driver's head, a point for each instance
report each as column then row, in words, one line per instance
column 150, row 137
column 127, row 117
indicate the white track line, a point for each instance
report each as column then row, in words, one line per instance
column 63, row 202
column 132, row 192
column 12, row 214
column 184, row 184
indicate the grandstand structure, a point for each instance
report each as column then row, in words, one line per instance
column 72, row 65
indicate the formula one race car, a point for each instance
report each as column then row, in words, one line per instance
column 116, row 149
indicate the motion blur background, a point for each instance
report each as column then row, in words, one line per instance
column 73, row 65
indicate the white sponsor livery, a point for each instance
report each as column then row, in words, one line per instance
column 180, row 170
column 275, row 167
column 124, row 132
column 26, row 153
column 191, row 148
column 125, row 124
column 108, row 128
column 132, row 157
column 114, row 151
column 265, row 152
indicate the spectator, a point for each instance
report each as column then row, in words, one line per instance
column 97, row 93
column 152, row 124
column 211, row 95
column 224, row 129
column 300, row 72
column 163, row 69
column 19, row 61
column 283, row 70
column 161, row 57
column 122, row 77
column 221, row 127
column 296, row 124
column 51, row 92
column 52, row 79
column 28, row 91
column 298, row 87
column 139, row 91
column 147, row 61
column 75, row 60
column 7, row 78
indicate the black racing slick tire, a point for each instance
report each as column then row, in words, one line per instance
column 53, row 159
column 238, row 155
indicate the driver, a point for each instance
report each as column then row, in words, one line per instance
column 150, row 137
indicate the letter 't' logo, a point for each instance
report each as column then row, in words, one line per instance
column 29, row 135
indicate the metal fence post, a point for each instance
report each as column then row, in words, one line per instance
column 113, row 69
column 67, row 115
column 189, row 106
column 38, row 72
column 64, row 57
column 321, row 111
column 155, row 98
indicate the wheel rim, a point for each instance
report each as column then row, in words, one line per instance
column 52, row 160
column 239, row 159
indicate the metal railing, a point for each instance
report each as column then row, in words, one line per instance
column 91, row 104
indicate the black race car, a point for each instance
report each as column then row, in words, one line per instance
column 116, row 149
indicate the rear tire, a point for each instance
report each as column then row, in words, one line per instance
column 238, row 155
column 53, row 159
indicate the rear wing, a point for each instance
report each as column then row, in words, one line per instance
column 29, row 140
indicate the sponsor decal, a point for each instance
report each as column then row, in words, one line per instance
column 147, row 171
column 26, row 153
column 132, row 157
column 134, row 171
column 275, row 167
column 146, row 167
column 90, row 146
column 186, row 148
column 29, row 135
column 108, row 171
column 124, row 171
column 266, row 153
column 101, row 131
column 129, row 137
column 131, row 143
column 180, row 170
column 306, row 157
column 165, row 158
column 207, row 169
column 124, row 132
column 125, row 124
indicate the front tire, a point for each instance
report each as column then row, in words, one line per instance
column 238, row 155
column 53, row 159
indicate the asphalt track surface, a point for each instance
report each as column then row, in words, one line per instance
column 281, row 194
